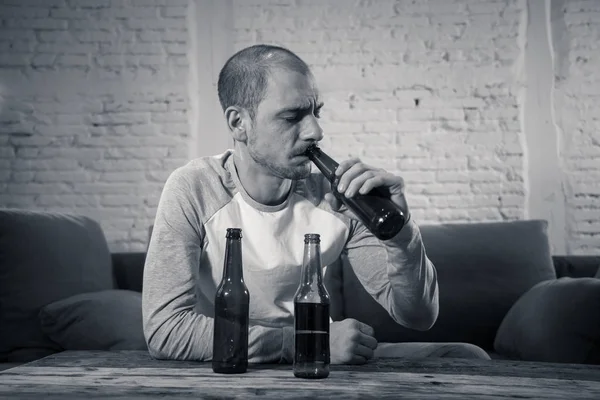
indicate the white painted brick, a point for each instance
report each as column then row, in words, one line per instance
column 133, row 176
column 143, row 130
column 125, row 118
column 37, row 188
column 43, row 60
column 69, row 13
column 152, row 3
column 151, row 60
column 170, row 12
column 144, row 23
column 117, row 165
column 40, row 23
column 8, row 11
column 178, row 60
column 63, row 176
column 14, row 60
column 176, row 48
column 158, row 176
column 71, row 200
column 173, row 128
column 7, row 152
column 426, row 164
column 174, row 36
column 57, row 49
column 22, row 176
column 119, row 200
column 73, row 60
column 17, row 201
column 25, row 152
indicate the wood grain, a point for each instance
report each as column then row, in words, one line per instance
column 131, row 374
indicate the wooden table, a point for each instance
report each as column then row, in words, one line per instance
column 134, row 374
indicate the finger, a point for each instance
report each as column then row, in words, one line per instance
column 351, row 173
column 372, row 182
column 358, row 182
column 357, row 359
column 367, row 341
column 333, row 201
column 366, row 329
column 345, row 165
column 364, row 351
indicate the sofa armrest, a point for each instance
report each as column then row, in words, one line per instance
column 128, row 270
column 576, row 266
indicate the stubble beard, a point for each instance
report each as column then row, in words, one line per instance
column 283, row 172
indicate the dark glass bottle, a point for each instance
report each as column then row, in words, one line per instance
column 232, row 306
column 311, row 316
column 375, row 210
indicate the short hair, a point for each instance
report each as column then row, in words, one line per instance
column 244, row 77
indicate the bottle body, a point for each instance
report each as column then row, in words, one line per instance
column 311, row 316
column 232, row 312
column 375, row 210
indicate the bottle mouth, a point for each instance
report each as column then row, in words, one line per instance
column 312, row 238
column 234, row 233
column 311, row 150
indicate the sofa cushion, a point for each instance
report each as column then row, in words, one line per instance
column 44, row 257
column 483, row 268
column 555, row 321
column 104, row 320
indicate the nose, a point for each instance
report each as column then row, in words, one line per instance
column 312, row 131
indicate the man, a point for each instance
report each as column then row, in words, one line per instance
column 266, row 187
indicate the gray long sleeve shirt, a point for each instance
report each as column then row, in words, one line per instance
column 184, row 263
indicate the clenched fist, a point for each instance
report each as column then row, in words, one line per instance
column 351, row 342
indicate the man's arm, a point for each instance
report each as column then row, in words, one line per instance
column 172, row 327
column 397, row 273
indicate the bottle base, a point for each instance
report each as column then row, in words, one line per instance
column 224, row 368
column 314, row 370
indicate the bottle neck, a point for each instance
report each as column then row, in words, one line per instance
column 232, row 270
column 326, row 164
column 312, row 272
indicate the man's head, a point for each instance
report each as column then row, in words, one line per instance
column 271, row 105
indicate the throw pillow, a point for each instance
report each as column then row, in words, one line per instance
column 555, row 321
column 103, row 320
column 44, row 257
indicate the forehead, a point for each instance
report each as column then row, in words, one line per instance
column 287, row 88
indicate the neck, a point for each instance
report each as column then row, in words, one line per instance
column 263, row 187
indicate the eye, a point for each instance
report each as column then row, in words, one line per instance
column 292, row 118
column 318, row 112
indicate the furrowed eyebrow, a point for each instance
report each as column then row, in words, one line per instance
column 300, row 108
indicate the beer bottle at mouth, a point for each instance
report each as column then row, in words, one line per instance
column 375, row 210
column 232, row 301
column 311, row 316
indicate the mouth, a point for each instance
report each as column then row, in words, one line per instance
column 302, row 158
column 306, row 150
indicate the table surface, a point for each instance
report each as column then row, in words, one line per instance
column 134, row 374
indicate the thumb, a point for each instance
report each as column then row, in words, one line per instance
column 333, row 201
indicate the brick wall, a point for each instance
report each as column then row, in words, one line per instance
column 424, row 88
column 577, row 113
column 93, row 108
column 95, row 103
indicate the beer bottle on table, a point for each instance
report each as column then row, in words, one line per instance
column 311, row 315
column 375, row 210
column 232, row 301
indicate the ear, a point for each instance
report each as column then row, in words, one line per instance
column 238, row 120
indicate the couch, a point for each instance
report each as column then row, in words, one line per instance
column 500, row 288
